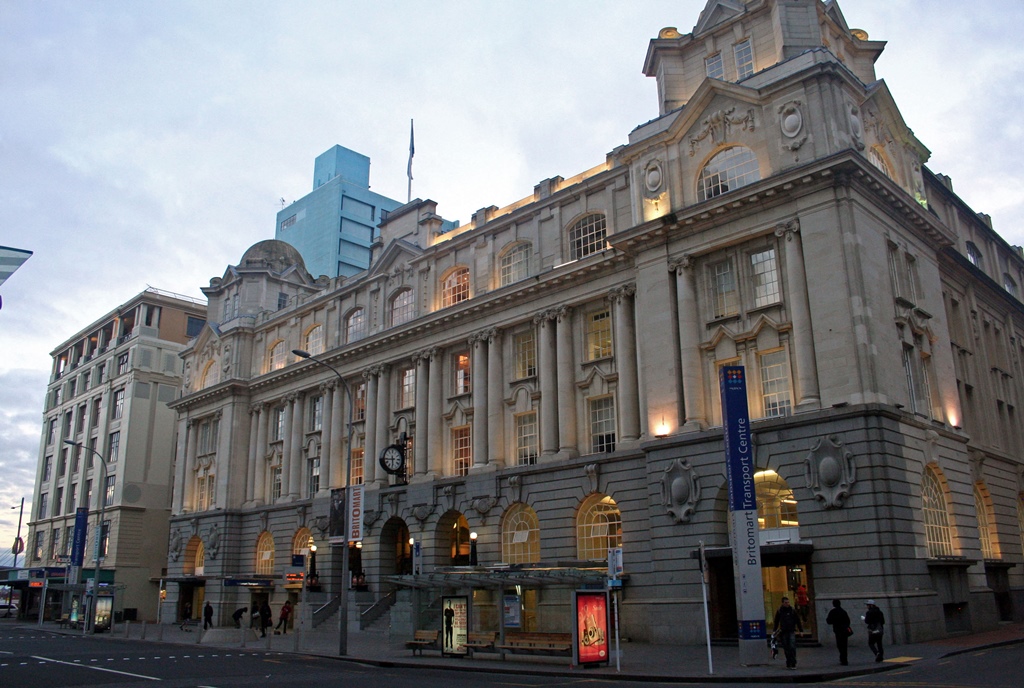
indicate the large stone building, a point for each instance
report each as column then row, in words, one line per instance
column 334, row 225
column 108, row 392
column 551, row 370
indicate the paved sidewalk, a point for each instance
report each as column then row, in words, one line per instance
column 639, row 661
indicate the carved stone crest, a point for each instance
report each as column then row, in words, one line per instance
column 174, row 544
column 680, row 490
column 830, row 472
column 422, row 512
column 791, row 121
column 591, row 477
column 515, row 484
column 482, row 505
column 213, row 541
column 717, row 126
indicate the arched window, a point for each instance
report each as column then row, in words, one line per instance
column 776, row 505
column 974, row 255
column 726, row 171
column 455, row 287
column 515, row 264
column 315, row 340
column 355, row 326
column 301, row 541
column 598, row 527
column 277, row 356
column 211, row 375
column 265, row 554
column 876, row 158
column 520, row 535
column 587, row 236
column 983, row 509
column 1010, row 285
column 937, row 531
column 200, row 569
column 401, row 307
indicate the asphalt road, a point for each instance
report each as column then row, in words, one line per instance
column 38, row 659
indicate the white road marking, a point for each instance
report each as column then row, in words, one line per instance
column 112, row 671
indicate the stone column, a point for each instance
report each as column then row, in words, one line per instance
column 370, row 427
column 383, row 420
column 250, row 468
column 223, row 496
column 339, row 434
column 478, row 350
column 691, row 364
column 495, row 399
column 435, row 423
column 259, row 492
column 566, row 355
column 420, row 441
column 626, row 363
column 807, row 394
column 327, row 450
column 298, row 460
column 190, row 467
column 180, row 468
column 547, row 372
column 286, row 446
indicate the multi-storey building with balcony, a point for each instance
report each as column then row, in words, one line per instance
column 550, row 371
column 108, row 392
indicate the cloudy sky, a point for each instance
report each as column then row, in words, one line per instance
column 149, row 142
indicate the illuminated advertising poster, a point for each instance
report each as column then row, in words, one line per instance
column 512, row 609
column 455, row 625
column 590, row 634
column 744, row 533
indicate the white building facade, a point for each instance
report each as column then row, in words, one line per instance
column 551, row 371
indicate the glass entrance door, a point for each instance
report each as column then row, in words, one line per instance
column 790, row 581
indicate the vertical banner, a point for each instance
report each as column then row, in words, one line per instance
column 590, row 632
column 455, row 627
column 78, row 543
column 744, row 535
column 511, row 609
column 336, row 521
column 355, row 513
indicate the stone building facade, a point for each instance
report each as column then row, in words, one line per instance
column 550, row 371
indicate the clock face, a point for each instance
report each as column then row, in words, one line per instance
column 392, row 458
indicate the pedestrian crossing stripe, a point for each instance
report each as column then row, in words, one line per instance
column 900, row 660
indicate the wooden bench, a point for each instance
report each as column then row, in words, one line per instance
column 423, row 640
column 538, row 643
column 481, row 642
column 64, row 620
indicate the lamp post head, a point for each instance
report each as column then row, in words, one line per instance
column 72, row 443
column 472, row 536
column 302, row 354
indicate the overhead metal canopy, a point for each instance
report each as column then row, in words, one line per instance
column 475, row 577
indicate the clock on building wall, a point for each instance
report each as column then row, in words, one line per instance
column 392, row 459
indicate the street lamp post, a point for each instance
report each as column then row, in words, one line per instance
column 101, row 499
column 345, row 575
column 18, row 546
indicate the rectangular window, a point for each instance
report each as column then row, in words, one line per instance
column 462, row 373
column 526, row 438
column 599, row 335
column 108, row 495
column 117, row 408
column 113, row 446
column 316, row 413
column 275, row 483
column 58, row 501
column 104, row 539
column 211, row 490
column 725, row 300
column 67, row 424
column 602, row 424
column 714, row 67
column 55, row 543
column 201, row 493
column 51, row 433
column 122, row 364
column 277, row 428
column 359, row 402
column 85, row 381
column 314, row 476
column 282, row 300
column 91, row 453
column 515, row 265
column 525, row 351
column 96, row 412
column 358, row 452
column 80, row 422
column 72, row 498
column 462, row 450
column 744, row 59
column 37, row 550
column 58, row 397
column 41, row 512
column 72, row 389
column 775, row 389
column 69, row 540
column 47, row 468
column 88, row 494
column 62, row 463
column 407, row 388
column 765, row 276
column 101, row 370
column 355, row 328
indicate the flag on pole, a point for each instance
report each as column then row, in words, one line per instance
column 412, row 149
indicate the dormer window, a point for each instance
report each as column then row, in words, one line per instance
column 315, row 340
column 744, row 59
column 515, row 264
column 587, row 236
column 402, row 307
column 455, row 287
column 727, row 171
column 876, row 158
column 355, row 326
column 714, row 67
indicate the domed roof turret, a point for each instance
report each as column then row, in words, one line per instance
column 274, row 254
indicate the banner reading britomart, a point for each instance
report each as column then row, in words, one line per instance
column 744, row 535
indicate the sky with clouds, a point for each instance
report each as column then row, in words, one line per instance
column 150, row 143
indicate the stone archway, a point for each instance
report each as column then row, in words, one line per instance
column 395, row 553
column 452, row 540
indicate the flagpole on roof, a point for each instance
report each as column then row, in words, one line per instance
column 412, row 152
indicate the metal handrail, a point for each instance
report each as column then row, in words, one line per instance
column 325, row 611
column 377, row 609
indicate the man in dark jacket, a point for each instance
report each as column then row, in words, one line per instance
column 787, row 623
column 839, row 620
column 207, row 616
column 266, row 619
column 875, row 620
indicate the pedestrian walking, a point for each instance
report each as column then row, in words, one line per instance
column 839, row 620
column 787, row 623
column 282, row 620
column 266, row 619
column 207, row 616
column 875, row 620
column 237, row 616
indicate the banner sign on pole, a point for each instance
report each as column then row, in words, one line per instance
column 744, row 532
column 355, row 513
column 590, row 632
column 78, row 541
